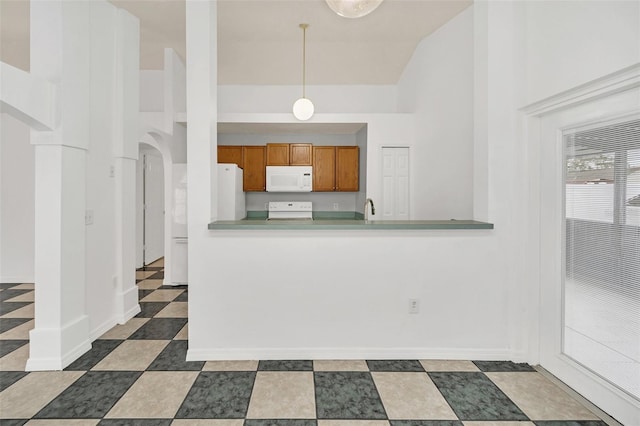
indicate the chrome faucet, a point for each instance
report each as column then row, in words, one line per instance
column 366, row 205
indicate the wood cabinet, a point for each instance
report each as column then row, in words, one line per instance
column 289, row 154
column 324, row 168
column 347, row 168
column 277, row 154
column 230, row 155
column 254, row 162
column 300, row 154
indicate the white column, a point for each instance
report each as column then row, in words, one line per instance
column 60, row 53
column 125, row 145
column 201, row 139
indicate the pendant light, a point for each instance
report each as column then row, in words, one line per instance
column 303, row 107
column 353, row 8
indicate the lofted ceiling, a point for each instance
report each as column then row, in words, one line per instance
column 259, row 41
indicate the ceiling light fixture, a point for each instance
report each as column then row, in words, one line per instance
column 303, row 107
column 353, row 8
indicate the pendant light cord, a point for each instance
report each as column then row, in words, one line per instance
column 304, row 58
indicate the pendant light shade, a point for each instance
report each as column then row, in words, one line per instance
column 303, row 108
column 353, row 8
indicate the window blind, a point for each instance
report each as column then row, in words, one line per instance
column 602, row 251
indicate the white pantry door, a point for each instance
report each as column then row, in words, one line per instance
column 395, row 183
column 153, row 208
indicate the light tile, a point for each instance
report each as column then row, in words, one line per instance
column 538, row 398
column 65, row 422
column 141, row 275
column 149, row 284
column 209, row 422
column 25, row 286
column 353, row 423
column 283, row 395
column 340, row 365
column 132, row 355
column 183, row 334
column 411, row 396
column 29, row 395
column 123, row 331
column 20, row 332
column 154, row 395
column 16, row 360
column 230, row 366
column 174, row 310
column 498, row 424
column 26, row 297
column 24, row 312
column 447, row 365
column 162, row 296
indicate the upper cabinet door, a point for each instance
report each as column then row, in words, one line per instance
column 230, row 155
column 254, row 168
column 347, row 168
column 277, row 154
column 300, row 154
column 324, row 168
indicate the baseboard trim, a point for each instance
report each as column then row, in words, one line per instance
column 346, row 353
column 20, row 279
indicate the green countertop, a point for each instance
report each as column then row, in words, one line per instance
column 346, row 224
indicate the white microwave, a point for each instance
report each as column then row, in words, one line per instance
column 289, row 178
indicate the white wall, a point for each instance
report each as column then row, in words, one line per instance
column 17, row 192
column 437, row 85
column 572, row 42
column 326, row 99
column 151, row 90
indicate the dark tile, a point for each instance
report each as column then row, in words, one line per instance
column 99, row 349
column 9, row 323
column 159, row 329
column 502, row 366
column 144, row 293
column 150, row 309
column 91, row 396
column 472, row 396
column 395, row 365
column 570, row 423
column 184, row 297
column 8, row 346
column 347, row 395
column 174, row 287
column 6, row 307
column 137, row 281
column 10, row 422
column 8, row 285
column 425, row 423
column 281, row 422
column 11, row 293
column 157, row 276
column 135, row 422
column 173, row 358
column 295, row 365
column 218, row 395
column 151, row 268
column 7, row 378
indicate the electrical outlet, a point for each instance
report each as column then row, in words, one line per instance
column 88, row 217
column 266, row 206
column 414, row 306
column 112, row 171
column 336, row 206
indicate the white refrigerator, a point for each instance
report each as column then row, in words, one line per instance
column 179, row 227
column 231, row 197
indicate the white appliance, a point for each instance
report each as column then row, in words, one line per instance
column 290, row 210
column 231, row 198
column 179, row 241
column 289, row 178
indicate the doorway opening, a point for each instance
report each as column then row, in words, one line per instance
column 150, row 207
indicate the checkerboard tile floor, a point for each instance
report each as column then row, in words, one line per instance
column 136, row 374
